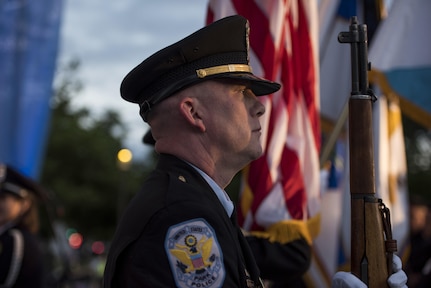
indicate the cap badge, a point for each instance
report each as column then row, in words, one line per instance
column 247, row 40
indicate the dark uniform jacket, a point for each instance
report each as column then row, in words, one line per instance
column 284, row 265
column 20, row 259
column 176, row 233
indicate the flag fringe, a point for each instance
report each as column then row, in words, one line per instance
column 289, row 230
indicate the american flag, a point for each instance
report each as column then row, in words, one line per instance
column 280, row 195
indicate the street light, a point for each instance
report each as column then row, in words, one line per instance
column 124, row 157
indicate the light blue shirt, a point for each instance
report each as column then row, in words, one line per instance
column 221, row 194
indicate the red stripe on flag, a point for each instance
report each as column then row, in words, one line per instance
column 307, row 73
column 210, row 16
column 293, row 184
column 259, row 180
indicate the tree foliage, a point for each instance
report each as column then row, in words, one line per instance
column 80, row 167
column 418, row 152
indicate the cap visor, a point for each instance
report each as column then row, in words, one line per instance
column 259, row 86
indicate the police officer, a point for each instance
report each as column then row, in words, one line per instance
column 200, row 98
column 20, row 255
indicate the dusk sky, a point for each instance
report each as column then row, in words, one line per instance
column 112, row 37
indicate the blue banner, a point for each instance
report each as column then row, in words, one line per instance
column 29, row 37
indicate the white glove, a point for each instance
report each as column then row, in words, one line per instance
column 398, row 279
column 347, row 280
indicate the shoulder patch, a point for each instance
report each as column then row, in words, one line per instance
column 195, row 255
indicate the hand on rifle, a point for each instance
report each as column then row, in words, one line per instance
column 347, row 280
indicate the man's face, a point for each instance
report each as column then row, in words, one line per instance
column 232, row 120
column 10, row 208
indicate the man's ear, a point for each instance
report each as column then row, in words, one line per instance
column 189, row 109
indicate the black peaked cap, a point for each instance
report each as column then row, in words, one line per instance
column 15, row 183
column 219, row 50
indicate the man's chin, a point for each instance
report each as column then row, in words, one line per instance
column 257, row 154
column 252, row 154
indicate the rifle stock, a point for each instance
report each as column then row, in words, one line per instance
column 372, row 245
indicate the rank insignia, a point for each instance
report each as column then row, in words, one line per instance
column 195, row 255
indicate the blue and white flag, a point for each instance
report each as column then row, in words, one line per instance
column 400, row 56
column 29, row 33
column 391, row 167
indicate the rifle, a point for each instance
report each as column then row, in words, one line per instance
column 372, row 245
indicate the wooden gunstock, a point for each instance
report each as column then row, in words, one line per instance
column 368, row 255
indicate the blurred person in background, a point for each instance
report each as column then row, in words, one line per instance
column 20, row 254
column 418, row 266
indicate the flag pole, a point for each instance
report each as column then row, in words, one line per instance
column 334, row 135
